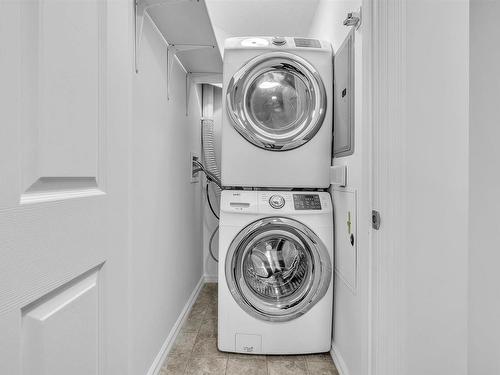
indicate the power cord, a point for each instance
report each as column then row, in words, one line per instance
column 211, row 178
column 215, row 230
column 210, row 203
column 210, row 244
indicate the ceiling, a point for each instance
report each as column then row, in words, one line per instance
column 261, row 17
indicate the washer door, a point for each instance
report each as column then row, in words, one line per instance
column 277, row 269
column 277, row 101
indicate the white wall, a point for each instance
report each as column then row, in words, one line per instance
column 260, row 17
column 166, row 261
column 327, row 22
column 436, row 183
column 484, row 154
column 349, row 334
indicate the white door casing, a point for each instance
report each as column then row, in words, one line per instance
column 386, row 112
column 420, row 186
column 352, row 203
column 65, row 72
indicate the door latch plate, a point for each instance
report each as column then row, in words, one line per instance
column 375, row 219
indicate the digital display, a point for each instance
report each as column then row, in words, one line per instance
column 306, row 202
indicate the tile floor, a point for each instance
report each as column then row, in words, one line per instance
column 195, row 350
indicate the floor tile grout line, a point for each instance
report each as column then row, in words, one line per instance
column 204, row 313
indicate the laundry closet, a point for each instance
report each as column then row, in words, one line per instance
column 257, row 163
column 162, row 145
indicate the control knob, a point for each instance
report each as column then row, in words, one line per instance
column 277, row 201
column 279, row 41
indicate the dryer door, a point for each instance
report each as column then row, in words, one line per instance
column 277, row 101
column 277, row 269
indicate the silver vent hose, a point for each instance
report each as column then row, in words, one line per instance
column 212, row 172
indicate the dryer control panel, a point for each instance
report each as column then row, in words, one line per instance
column 276, row 43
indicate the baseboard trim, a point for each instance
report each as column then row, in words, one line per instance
column 167, row 345
column 339, row 361
column 211, row 278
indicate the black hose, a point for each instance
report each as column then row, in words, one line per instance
column 210, row 244
column 210, row 203
column 213, row 178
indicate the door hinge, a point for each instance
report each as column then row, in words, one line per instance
column 375, row 219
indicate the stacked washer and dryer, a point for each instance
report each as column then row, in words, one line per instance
column 276, row 222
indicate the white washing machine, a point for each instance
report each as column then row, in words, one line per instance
column 275, row 272
column 277, row 112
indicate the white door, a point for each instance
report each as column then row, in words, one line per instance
column 277, row 268
column 64, row 92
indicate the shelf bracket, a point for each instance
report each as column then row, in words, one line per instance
column 188, row 91
column 141, row 7
column 172, row 51
column 140, row 11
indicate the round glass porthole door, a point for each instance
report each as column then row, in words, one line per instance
column 277, row 269
column 277, row 101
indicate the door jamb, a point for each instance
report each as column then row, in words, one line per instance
column 384, row 111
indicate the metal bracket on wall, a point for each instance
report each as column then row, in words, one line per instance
column 353, row 19
column 140, row 8
column 172, row 51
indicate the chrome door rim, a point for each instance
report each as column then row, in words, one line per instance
column 253, row 132
column 317, row 283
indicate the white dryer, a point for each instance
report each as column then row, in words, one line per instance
column 275, row 272
column 277, row 112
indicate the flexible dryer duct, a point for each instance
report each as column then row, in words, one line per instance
column 210, row 163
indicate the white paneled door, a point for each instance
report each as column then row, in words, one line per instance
column 64, row 125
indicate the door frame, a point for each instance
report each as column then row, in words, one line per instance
column 384, row 63
column 401, row 87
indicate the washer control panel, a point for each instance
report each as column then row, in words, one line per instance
column 276, row 201
column 306, row 202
